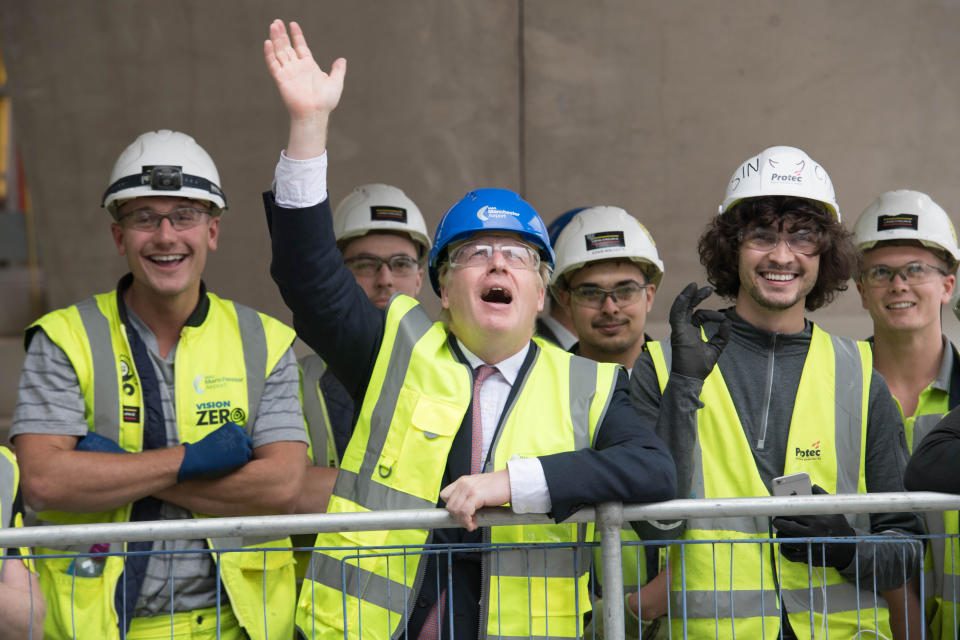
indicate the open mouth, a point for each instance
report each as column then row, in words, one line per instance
column 497, row 295
column 168, row 259
column 900, row 305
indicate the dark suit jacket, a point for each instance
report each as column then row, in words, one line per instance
column 333, row 315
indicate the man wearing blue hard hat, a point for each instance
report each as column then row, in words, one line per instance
column 464, row 413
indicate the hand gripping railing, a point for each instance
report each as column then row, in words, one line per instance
column 608, row 516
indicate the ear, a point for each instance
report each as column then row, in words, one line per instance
column 863, row 298
column 213, row 232
column 651, row 294
column 117, row 232
column 949, row 282
column 444, row 298
column 563, row 297
column 416, row 290
column 541, row 297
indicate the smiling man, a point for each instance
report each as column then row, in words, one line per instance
column 160, row 400
column 907, row 273
column 607, row 275
column 772, row 394
column 464, row 413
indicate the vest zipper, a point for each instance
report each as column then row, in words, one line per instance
column 761, row 441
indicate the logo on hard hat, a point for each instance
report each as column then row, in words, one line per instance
column 786, row 170
column 486, row 212
column 898, row 221
column 388, row 214
column 604, row 240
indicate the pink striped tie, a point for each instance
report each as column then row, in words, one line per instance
column 431, row 626
column 476, row 452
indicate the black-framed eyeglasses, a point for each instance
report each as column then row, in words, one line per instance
column 149, row 220
column 880, row 275
column 623, row 295
column 805, row 241
column 369, row 265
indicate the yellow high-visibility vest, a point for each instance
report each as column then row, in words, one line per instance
column 221, row 367
column 827, row 439
column 416, row 399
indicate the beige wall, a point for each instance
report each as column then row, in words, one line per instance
column 646, row 105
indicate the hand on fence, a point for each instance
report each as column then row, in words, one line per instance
column 217, row 454
column 633, row 626
column 466, row 494
column 692, row 357
column 95, row 442
column 834, row 554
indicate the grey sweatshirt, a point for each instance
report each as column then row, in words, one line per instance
column 762, row 371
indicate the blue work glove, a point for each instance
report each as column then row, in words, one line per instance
column 835, row 554
column 216, row 454
column 692, row 357
column 95, row 442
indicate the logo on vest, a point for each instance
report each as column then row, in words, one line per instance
column 203, row 383
column 127, row 377
column 218, row 412
column 811, row 454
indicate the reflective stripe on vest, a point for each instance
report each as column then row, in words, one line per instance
column 417, row 397
column 210, row 369
column 833, row 390
column 322, row 449
column 9, row 479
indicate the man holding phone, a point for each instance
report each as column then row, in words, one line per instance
column 770, row 394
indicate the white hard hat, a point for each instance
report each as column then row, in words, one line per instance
column 164, row 163
column 380, row 207
column 906, row 215
column 781, row 171
column 602, row 233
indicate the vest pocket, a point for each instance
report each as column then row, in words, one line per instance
column 415, row 453
column 76, row 603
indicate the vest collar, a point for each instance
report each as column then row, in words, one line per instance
column 197, row 316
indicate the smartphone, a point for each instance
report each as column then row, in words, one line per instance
column 795, row 484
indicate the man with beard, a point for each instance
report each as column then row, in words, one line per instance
column 607, row 275
column 608, row 271
column 771, row 394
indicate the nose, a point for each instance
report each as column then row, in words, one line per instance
column 497, row 261
column 609, row 306
column 899, row 281
column 781, row 253
column 384, row 277
column 165, row 231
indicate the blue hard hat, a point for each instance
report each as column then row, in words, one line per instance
column 487, row 210
column 560, row 223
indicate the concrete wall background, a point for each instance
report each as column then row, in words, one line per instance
column 646, row 105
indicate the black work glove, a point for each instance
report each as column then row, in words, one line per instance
column 692, row 357
column 835, row 554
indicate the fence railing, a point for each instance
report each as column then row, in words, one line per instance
column 608, row 517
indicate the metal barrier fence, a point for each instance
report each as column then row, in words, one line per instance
column 609, row 519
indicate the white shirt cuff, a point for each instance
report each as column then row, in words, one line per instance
column 528, row 486
column 300, row 183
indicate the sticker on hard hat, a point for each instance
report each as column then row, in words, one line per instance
column 486, row 212
column 388, row 214
column 898, row 221
column 604, row 240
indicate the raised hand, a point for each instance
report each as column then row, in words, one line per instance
column 308, row 93
column 692, row 356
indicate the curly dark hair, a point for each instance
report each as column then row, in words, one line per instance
column 720, row 243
